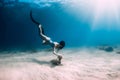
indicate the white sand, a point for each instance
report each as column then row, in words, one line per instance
column 78, row 64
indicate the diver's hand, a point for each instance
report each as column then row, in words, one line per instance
column 59, row 57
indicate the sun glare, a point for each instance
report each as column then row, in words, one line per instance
column 101, row 12
column 107, row 10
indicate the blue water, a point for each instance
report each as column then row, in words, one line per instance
column 18, row 31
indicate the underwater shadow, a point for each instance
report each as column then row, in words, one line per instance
column 28, row 60
column 49, row 63
column 40, row 62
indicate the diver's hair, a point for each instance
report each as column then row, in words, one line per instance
column 33, row 20
column 62, row 43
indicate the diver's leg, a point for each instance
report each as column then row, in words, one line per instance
column 41, row 32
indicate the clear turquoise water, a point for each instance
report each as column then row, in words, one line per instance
column 17, row 30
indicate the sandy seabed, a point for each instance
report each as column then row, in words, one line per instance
column 77, row 64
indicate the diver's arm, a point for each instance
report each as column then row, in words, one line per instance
column 54, row 52
column 59, row 57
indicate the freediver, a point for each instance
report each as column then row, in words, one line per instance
column 47, row 40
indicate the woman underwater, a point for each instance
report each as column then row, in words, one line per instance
column 47, row 40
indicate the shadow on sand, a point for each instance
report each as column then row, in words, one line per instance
column 40, row 62
column 9, row 62
column 50, row 63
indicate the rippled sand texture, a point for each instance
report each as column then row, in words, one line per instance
column 78, row 64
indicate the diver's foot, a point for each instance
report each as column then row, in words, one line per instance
column 40, row 26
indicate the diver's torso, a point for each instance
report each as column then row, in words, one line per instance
column 51, row 43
